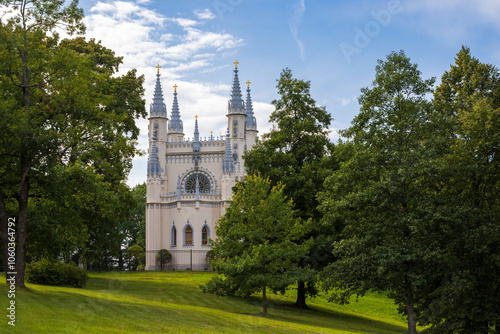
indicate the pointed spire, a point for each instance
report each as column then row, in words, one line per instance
column 236, row 104
column 196, row 144
column 158, row 108
column 250, row 121
column 228, row 161
column 175, row 123
column 154, row 167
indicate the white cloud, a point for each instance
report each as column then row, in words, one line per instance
column 184, row 48
column 205, row 14
column 345, row 101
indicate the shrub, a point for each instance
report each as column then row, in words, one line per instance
column 140, row 267
column 163, row 256
column 56, row 273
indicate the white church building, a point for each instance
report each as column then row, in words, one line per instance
column 189, row 180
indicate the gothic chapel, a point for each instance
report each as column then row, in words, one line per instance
column 189, row 180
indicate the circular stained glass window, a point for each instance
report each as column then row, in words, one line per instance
column 202, row 181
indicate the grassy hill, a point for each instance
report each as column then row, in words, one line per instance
column 172, row 302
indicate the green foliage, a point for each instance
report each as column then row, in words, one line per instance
column 292, row 152
column 49, row 272
column 133, row 227
column 256, row 245
column 468, row 102
column 138, row 255
column 163, row 256
column 210, row 256
column 380, row 192
column 64, row 106
column 297, row 153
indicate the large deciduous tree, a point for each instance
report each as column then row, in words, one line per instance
column 295, row 153
column 62, row 105
column 257, row 242
column 468, row 100
column 381, row 194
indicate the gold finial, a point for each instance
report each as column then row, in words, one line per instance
column 248, row 83
column 196, row 116
column 175, row 87
column 211, row 132
column 158, row 68
column 236, row 64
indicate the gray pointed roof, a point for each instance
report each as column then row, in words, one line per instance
column 250, row 121
column 158, row 108
column 236, row 104
column 175, row 123
column 196, row 141
column 154, row 166
column 228, row 160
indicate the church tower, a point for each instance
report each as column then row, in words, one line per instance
column 236, row 118
column 156, row 176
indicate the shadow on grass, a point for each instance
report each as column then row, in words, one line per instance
column 181, row 303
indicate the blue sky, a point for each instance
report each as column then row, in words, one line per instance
column 333, row 44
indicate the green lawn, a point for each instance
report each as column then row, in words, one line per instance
column 172, row 302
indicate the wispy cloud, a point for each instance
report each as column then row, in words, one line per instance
column 295, row 22
column 205, row 14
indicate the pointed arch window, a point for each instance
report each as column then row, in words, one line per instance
column 174, row 236
column 205, row 235
column 188, row 236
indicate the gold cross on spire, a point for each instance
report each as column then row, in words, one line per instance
column 196, row 116
column 248, row 83
column 158, row 68
column 175, row 87
column 236, row 64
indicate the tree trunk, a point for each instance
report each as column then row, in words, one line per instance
column 412, row 324
column 22, row 221
column 264, row 300
column 301, row 295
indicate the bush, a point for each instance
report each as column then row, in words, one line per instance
column 163, row 256
column 56, row 273
column 140, row 267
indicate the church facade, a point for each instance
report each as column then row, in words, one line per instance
column 190, row 180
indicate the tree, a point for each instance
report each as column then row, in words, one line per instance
column 257, row 242
column 139, row 255
column 163, row 256
column 468, row 101
column 381, row 192
column 295, row 153
column 62, row 105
